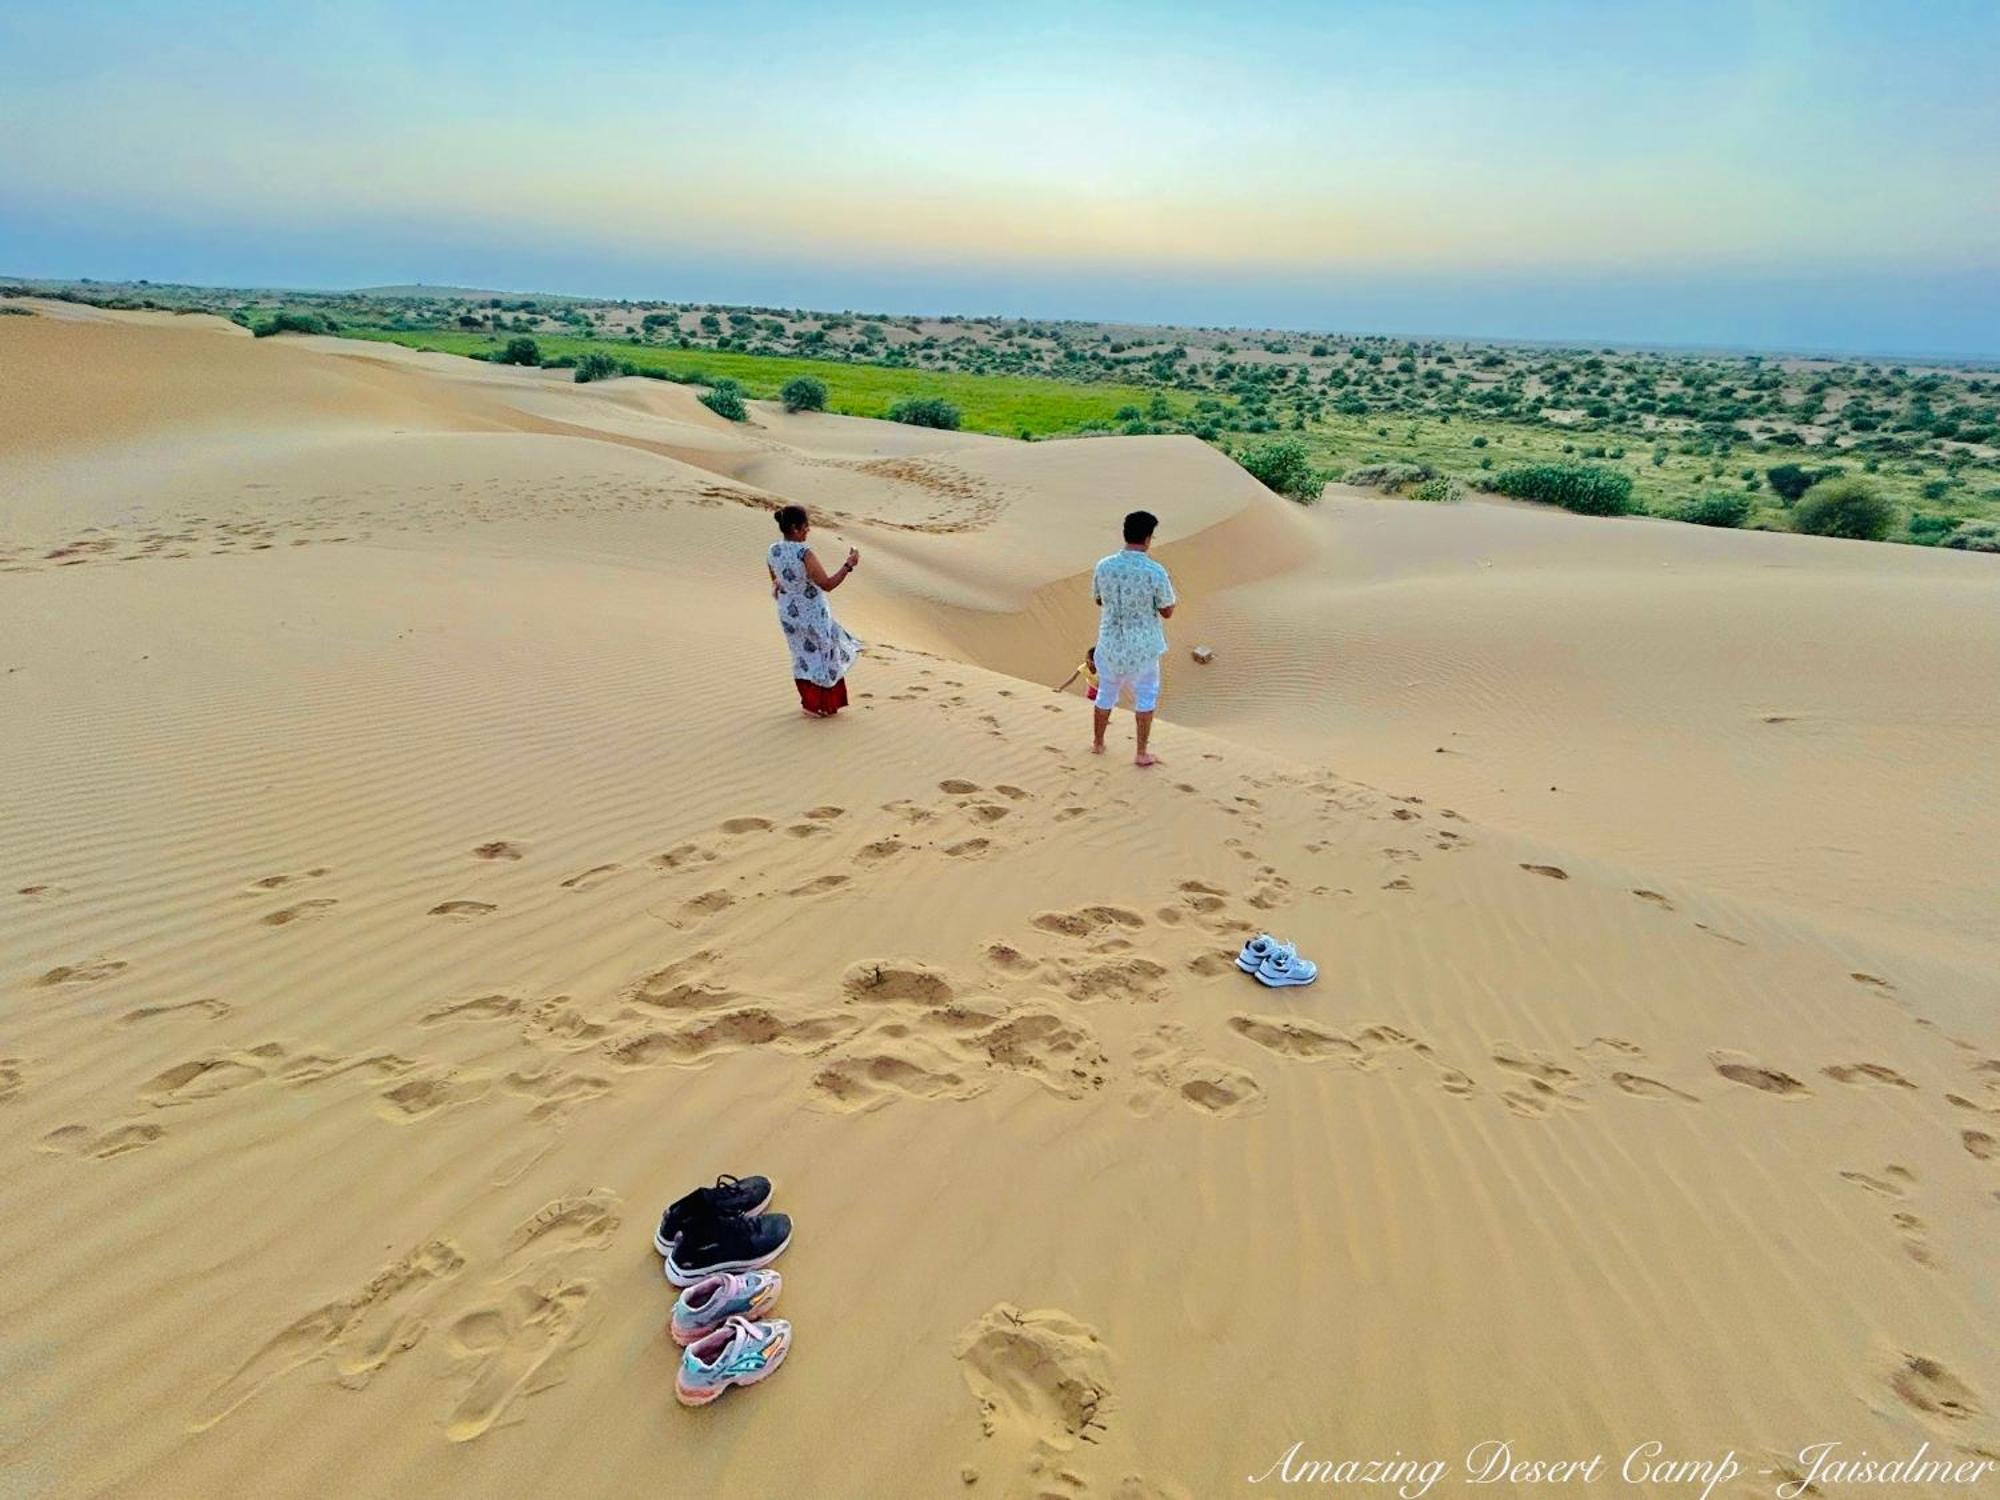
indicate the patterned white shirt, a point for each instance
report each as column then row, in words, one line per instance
column 1131, row 590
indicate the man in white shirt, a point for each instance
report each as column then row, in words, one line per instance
column 1135, row 595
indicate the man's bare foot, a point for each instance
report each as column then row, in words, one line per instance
column 1098, row 748
column 1147, row 760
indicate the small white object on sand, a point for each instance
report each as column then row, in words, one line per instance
column 1203, row 654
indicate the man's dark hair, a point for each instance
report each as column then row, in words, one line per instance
column 791, row 518
column 1140, row 526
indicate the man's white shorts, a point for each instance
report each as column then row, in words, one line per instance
column 1145, row 686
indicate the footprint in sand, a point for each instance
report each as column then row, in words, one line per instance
column 1873, row 981
column 1890, row 1184
column 462, row 910
column 1546, row 1084
column 585, row 879
column 499, row 849
column 1042, row 1380
column 881, row 849
column 420, row 1098
column 12, row 1078
column 897, row 980
column 85, row 973
column 302, row 912
column 83, row 1140
column 205, row 1077
column 1980, row 1144
column 1642, row 1087
column 1554, row 872
column 871, row 1079
column 202, row 1010
column 958, row 788
column 1204, row 1084
column 735, row 826
column 682, row 856
column 1934, row 1393
column 706, row 1036
column 684, row 984
column 1088, row 921
column 1863, row 1073
column 479, row 1008
column 1656, row 898
column 969, row 848
column 354, row 1336
column 825, row 814
column 1139, row 980
column 821, row 884
column 1751, row 1074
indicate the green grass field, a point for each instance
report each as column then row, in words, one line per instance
column 1011, row 405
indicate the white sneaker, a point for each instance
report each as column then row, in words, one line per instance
column 1284, row 968
column 1259, row 948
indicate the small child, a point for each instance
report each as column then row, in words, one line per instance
column 1087, row 670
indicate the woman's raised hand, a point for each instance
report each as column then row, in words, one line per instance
column 853, row 558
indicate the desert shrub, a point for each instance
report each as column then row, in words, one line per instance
column 597, row 365
column 1930, row 529
column 1394, row 478
column 1437, row 488
column 925, row 411
column 804, row 393
column 1284, row 468
column 1852, row 507
column 520, row 352
column 1717, row 508
column 295, row 322
column 1479, row 442
column 725, row 399
column 560, row 362
column 1975, row 536
column 1583, row 488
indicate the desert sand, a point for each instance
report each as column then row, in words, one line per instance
column 416, row 872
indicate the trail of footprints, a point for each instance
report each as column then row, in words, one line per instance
column 503, row 1336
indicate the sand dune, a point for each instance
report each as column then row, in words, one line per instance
column 417, row 872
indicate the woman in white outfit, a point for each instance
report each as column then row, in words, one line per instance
column 821, row 651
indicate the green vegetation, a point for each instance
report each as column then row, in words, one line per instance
column 295, row 322
column 1852, row 507
column 1583, row 488
column 725, row 399
column 1717, row 508
column 926, row 411
column 1975, row 536
column 1439, row 488
column 1284, row 468
column 1678, row 431
column 803, row 393
column 595, row 365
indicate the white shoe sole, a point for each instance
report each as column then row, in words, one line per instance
column 1287, row 984
column 688, row 1278
column 666, row 1248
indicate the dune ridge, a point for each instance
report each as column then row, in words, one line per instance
column 397, row 923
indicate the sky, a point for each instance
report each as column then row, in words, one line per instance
column 1795, row 174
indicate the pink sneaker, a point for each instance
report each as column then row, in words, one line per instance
column 712, row 1301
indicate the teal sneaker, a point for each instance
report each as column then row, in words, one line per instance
column 738, row 1353
column 714, row 1300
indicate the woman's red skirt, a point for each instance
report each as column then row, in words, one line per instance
column 822, row 700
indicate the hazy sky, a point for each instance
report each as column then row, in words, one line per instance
column 1796, row 173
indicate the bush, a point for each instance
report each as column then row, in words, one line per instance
column 725, row 399
column 1583, row 488
column 520, row 352
column 1391, row 477
column 1853, row 507
column 1718, row 508
column 1439, row 488
column 597, row 365
column 296, row 322
column 804, row 393
column 1931, row 529
column 1284, row 468
column 1975, row 536
column 925, row 411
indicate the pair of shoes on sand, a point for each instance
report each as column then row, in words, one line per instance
column 715, row 1243
column 1275, row 963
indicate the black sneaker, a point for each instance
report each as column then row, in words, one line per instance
column 733, row 1242
column 730, row 1195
